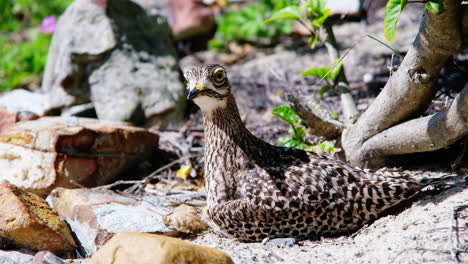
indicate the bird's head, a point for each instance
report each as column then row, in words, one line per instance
column 208, row 86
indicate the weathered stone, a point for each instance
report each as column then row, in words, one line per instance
column 15, row 256
column 185, row 219
column 155, row 249
column 43, row 154
column 126, row 66
column 22, row 101
column 28, row 221
column 190, row 18
column 8, row 119
column 46, row 257
column 96, row 215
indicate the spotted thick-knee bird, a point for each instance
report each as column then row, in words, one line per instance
column 256, row 190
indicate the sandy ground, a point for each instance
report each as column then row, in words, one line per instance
column 419, row 234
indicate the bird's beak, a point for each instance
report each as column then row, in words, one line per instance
column 194, row 92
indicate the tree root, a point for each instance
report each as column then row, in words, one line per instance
column 423, row 134
column 410, row 89
column 317, row 125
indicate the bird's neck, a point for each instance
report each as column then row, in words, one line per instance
column 229, row 148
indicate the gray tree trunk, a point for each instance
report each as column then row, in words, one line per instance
column 383, row 129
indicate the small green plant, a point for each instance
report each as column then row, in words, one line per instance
column 298, row 132
column 22, row 63
column 312, row 14
column 245, row 24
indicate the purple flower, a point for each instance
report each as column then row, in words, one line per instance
column 48, row 25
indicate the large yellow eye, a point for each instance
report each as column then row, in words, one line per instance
column 219, row 77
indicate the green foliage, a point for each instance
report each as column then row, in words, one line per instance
column 298, row 132
column 317, row 72
column 394, row 9
column 435, row 6
column 290, row 12
column 246, row 24
column 326, row 73
column 19, row 14
column 287, row 114
column 23, row 63
column 316, row 12
column 327, row 146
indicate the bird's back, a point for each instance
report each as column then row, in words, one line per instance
column 306, row 194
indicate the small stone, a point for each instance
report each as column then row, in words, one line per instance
column 155, row 249
column 28, row 221
column 368, row 77
column 185, row 219
column 281, row 242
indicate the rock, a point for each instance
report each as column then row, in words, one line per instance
column 43, row 154
column 190, row 18
column 280, row 242
column 155, row 249
column 8, row 119
column 46, row 257
column 28, row 221
column 185, row 219
column 126, row 66
column 96, row 215
column 23, row 101
column 15, row 256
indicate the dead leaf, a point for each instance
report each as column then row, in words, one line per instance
column 196, row 185
column 184, row 172
column 184, row 219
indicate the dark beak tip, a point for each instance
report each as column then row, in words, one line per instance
column 193, row 94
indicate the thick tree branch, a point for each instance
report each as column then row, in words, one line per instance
column 411, row 88
column 317, row 126
column 422, row 134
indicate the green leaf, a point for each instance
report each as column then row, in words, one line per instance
column 312, row 41
column 318, row 22
column 392, row 14
column 334, row 115
column 317, row 72
column 316, row 6
column 327, row 146
column 337, row 67
column 286, row 113
column 323, row 90
column 435, row 6
column 290, row 12
column 298, row 133
column 291, row 143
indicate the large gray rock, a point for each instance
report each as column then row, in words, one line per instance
column 126, row 66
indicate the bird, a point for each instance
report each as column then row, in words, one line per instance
column 256, row 190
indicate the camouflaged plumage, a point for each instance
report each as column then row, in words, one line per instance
column 257, row 190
